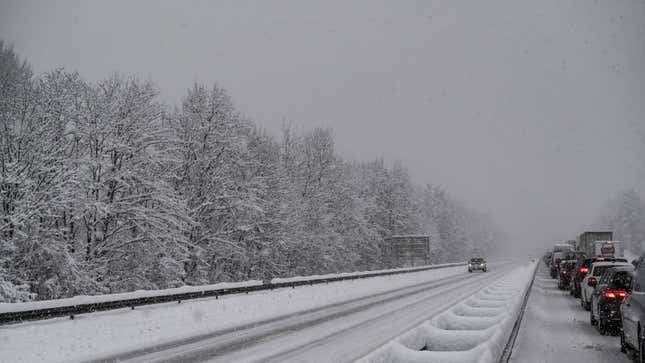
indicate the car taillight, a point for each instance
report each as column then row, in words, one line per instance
column 584, row 270
column 612, row 294
column 592, row 279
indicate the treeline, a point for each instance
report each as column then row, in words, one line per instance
column 105, row 189
column 624, row 214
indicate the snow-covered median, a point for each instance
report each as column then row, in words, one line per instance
column 474, row 330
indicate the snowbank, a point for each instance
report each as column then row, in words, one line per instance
column 93, row 299
column 107, row 333
column 475, row 330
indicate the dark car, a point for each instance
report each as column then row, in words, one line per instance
column 477, row 263
column 555, row 264
column 582, row 268
column 613, row 287
column 557, row 258
column 632, row 310
column 566, row 271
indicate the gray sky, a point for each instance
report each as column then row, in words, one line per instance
column 533, row 111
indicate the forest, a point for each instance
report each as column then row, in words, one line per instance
column 105, row 189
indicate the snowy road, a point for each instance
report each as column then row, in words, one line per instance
column 341, row 332
column 337, row 322
column 555, row 328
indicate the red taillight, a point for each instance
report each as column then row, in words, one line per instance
column 584, row 270
column 557, row 266
column 612, row 294
column 592, row 279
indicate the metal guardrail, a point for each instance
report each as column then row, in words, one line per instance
column 508, row 349
column 72, row 310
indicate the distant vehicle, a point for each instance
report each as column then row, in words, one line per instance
column 591, row 280
column 566, row 271
column 561, row 251
column 562, row 247
column 609, row 248
column 632, row 312
column 582, row 268
column 477, row 263
column 586, row 241
column 613, row 287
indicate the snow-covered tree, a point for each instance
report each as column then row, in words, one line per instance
column 105, row 190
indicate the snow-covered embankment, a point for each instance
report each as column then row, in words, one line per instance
column 474, row 330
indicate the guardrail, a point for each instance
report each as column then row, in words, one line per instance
column 75, row 309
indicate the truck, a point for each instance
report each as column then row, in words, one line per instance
column 586, row 241
column 609, row 248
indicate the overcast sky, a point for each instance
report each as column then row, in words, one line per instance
column 533, row 111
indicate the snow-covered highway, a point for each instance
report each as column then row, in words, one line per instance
column 339, row 333
column 555, row 328
column 337, row 322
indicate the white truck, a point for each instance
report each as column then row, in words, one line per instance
column 609, row 249
column 586, row 242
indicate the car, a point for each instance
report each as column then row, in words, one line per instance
column 613, row 287
column 590, row 281
column 477, row 263
column 632, row 315
column 555, row 263
column 582, row 268
column 566, row 270
column 561, row 252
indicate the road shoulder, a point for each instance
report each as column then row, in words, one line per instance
column 556, row 329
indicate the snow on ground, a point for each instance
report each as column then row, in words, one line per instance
column 327, row 276
column 85, row 299
column 474, row 330
column 555, row 328
column 92, row 299
column 112, row 332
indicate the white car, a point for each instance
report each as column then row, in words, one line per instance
column 588, row 284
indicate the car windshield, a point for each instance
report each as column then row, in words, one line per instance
column 599, row 270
